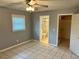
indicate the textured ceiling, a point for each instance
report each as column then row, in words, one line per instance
column 52, row 4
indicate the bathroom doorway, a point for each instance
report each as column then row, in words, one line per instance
column 44, row 29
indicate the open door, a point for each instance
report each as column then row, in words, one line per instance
column 74, row 41
column 64, row 31
column 44, row 29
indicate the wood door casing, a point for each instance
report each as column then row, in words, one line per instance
column 65, row 27
column 64, row 30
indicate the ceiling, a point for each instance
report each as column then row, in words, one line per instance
column 52, row 4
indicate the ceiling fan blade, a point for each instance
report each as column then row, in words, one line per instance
column 41, row 5
column 51, row 0
column 28, row 2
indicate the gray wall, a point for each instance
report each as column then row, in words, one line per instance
column 52, row 24
column 7, row 37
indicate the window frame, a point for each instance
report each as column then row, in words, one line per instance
column 18, row 16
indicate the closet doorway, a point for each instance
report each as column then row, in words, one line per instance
column 64, row 31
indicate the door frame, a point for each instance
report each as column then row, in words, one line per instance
column 40, row 28
column 58, row 26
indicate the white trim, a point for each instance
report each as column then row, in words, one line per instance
column 19, row 16
column 48, row 28
column 58, row 25
column 52, row 45
column 74, row 52
column 36, row 40
column 3, row 50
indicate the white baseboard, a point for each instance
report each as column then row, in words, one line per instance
column 3, row 50
column 74, row 52
column 52, row 45
column 35, row 40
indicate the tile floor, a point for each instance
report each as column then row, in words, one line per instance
column 37, row 50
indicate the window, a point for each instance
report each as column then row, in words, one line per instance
column 18, row 22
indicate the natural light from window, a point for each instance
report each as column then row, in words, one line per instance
column 18, row 23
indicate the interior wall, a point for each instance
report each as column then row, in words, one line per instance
column 52, row 23
column 52, row 26
column 74, row 43
column 7, row 37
